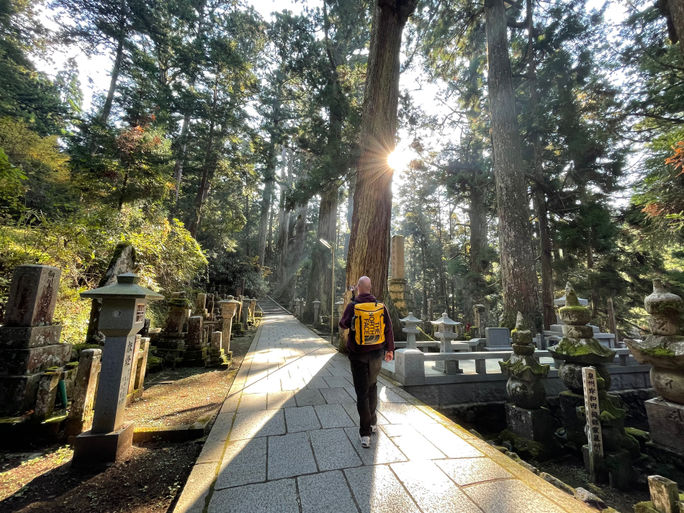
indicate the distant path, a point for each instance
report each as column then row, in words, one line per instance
column 286, row 441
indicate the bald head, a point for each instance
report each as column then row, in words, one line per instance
column 364, row 285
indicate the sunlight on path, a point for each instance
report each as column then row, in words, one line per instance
column 286, row 440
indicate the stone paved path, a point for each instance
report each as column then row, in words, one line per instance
column 286, row 440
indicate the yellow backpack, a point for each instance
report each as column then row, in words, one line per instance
column 369, row 323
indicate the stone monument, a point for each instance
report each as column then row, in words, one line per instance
column 526, row 414
column 29, row 341
column 397, row 283
column 196, row 348
column 316, row 312
column 409, row 362
column 664, row 350
column 170, row 343
column 123, row 314
column 578, row 349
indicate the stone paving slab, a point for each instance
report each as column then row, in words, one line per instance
column 326, row 492
column 333, row 450
column 286, row 440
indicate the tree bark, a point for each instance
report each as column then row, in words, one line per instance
column 539, row 197
column 518, row 276
column 319, row 280
column 676, row 8
column 370, row 230
column 477, row 263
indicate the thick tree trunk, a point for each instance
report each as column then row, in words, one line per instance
column 118, row 61
column 319, row 279
column 474, row 292
column 518, row 276
column 539, row 197
column 676, row 8
column 370, row 230
column 266, row 198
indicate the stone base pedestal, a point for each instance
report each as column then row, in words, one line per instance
column 219, row 358
column 95, row 449
column 447, row 367
column 409, row 366
column 573, row 423
column 531, row 424
column 666, row 423
column 195, row 357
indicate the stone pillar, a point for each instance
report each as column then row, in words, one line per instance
column 221, row 355
column 122, row 316
column 80, row 416
column 316, row 312
column 526, row 415
column 664, row 350
column 577, row 349
column 397, row 283
column 480, row 317
column 137, row 383
column 196, row 350
column 29, row 342
column 409, row 363
column 253, row 309
column 201, row 305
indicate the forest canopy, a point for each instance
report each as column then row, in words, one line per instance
column 537, row 142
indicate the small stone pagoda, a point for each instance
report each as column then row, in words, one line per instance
column 578, row 349
column 664, row 350
column 526, row 415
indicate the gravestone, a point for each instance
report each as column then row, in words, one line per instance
column 498, row 339
column 123, row 314
column 29, row 341
column 195, row 349
column 80, row 416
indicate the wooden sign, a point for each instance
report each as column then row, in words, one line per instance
column 593, row 412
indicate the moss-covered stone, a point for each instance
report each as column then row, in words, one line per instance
column 645, row 507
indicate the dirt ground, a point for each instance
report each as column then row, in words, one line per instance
column 153, row 473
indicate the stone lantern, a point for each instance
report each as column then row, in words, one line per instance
column 446, row 332
column 123, row 314
column 411, row 329
column 664, row 350
column 409, row 363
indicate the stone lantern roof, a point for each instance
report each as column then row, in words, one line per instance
column 126, row 286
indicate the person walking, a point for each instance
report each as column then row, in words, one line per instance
column 370, row 339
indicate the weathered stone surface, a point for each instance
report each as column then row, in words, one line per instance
column 666, row 422
column 47, row 394
column 256, row 498
column 36, row 359
column 81, row 411
column 32, row 296
column 534, row 424
column 664, row 494
column 93, row 449
column 22, row 337
column 525, row 387
column 589, row 498
column 18, row 393
column 290, row 455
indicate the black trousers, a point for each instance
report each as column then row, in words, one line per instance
column 365, row 368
